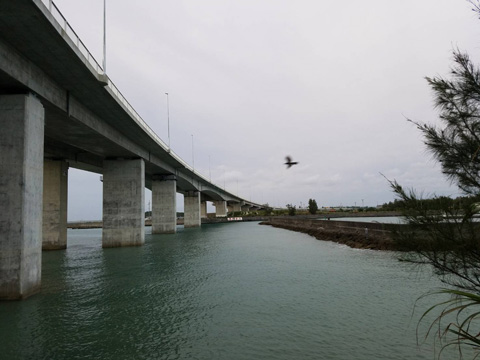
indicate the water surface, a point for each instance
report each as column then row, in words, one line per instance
column 224, row 291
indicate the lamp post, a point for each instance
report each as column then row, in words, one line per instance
column 168, row 121
column 193, row 156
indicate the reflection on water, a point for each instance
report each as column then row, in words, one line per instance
column 224, row 291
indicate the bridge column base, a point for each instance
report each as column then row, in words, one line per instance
column 192, row 209
column 21, row 189
column 164, row 204
column 123, row 203
column 220, row 208
column 55, row 193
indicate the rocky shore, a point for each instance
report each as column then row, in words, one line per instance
column 359, row 235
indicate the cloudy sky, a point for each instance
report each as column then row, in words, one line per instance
column 329, row 82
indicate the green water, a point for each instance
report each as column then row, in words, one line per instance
column 225, row 291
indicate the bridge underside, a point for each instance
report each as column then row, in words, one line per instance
column 57, row 110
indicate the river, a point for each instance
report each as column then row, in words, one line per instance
column 223, row 291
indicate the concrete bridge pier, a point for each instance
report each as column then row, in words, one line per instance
column 203, row 209
column 237, row 207
column 246, row 208
column 164, row 204
column 55, row 193
column 192, row 209
column 21, row 190
column 220, row 208
column 123, row 203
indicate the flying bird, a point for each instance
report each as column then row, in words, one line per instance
column 289, row 162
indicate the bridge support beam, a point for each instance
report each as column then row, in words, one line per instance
column 220, row 208
column 21, row 191
column 203, row 209
column 123, row 203
column 192, row 209
column 164, row 204
column 55, row 193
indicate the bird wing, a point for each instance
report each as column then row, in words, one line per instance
column 288, row 158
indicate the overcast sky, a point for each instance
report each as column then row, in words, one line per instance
column 328, row 82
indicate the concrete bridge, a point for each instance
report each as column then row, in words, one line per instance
column 58, row 109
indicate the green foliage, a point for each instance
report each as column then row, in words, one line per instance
column 457, row 145
column 312, row 206
column 459, row 314
column 267, row 210
column 441, row 231
column 292, row 209
column 396, row 205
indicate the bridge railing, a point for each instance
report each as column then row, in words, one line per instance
column 72, row 34
column 68, row 30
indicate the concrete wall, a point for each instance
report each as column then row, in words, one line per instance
column 21, row 190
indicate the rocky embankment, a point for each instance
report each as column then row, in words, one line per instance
column 360, row 235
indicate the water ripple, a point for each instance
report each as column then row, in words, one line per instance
column 236, row 291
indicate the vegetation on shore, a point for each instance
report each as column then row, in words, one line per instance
column 442, row 232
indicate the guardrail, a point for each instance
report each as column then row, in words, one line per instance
column 53, row 9
column 63, row 23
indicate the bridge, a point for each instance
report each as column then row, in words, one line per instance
column 58, row 109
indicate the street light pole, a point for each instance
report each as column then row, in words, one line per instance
column 193, row 156
column 168, row 121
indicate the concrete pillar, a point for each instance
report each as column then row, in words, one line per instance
column 246, row 208
column 21, row 191
column 123, row 203
column 220, row 208
column 203, row 209
column 55, row 193
column 192, row 209
column 237, row 207
column 229, row 208
column 164, row 204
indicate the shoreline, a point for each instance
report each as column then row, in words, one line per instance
column 358, row 235
column 99, row 224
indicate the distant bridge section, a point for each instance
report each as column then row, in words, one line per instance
column 58, row 110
